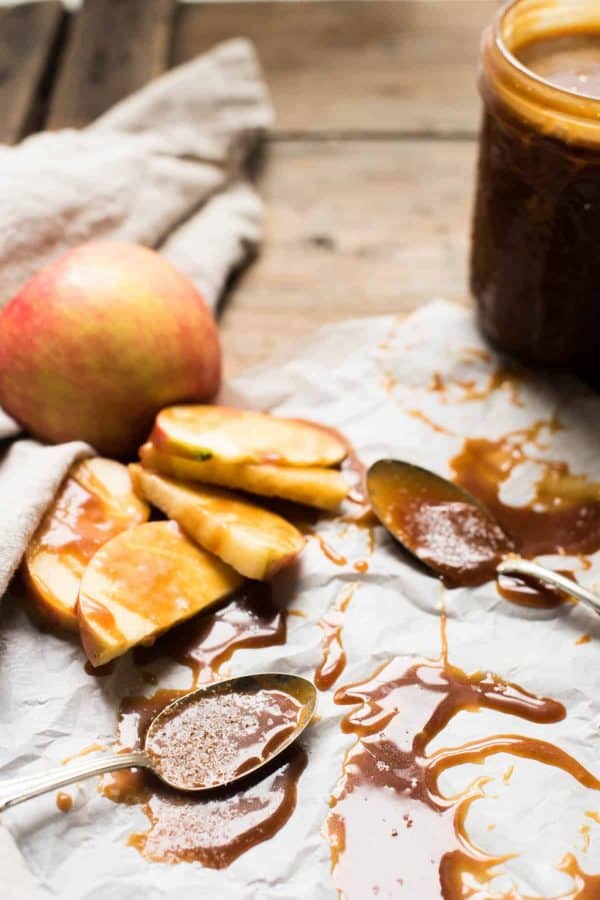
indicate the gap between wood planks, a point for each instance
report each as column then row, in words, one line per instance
column 357, row 135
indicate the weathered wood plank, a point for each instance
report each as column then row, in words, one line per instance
column 352, row 229
column 384, row 66
column 115, row 47
column 27, row 37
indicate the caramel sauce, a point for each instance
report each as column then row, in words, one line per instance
column 214, row 827
column 498, row 379
column 333, row 661
column 470, row 389
column 332, row 555
column 584, row 639
column 100, row 671
column 78, row 523
column 361, row 565
column 420, row 415
column 562, row 517
column 390, row 825
column 92, row 748
column 587, row 887
column 532, row 594
column 585, row 832
column 436, row 383
column 203, row 644
column 215, row 830
column 64, row 802
column 564, row 514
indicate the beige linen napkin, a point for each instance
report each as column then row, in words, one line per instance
column 163, row 168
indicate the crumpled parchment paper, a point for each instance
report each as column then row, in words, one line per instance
column 364, row 377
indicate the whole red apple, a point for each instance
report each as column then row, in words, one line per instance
column 96, row 343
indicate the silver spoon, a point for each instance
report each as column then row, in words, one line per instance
column 302, row 692
column 450, row 531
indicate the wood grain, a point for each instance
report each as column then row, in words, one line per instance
column 334, row 67
column 352, row 229
column 114, row 48
column 27, row 38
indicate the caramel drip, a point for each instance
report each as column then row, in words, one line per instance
column 64, row 802
column 214, row 827
column 390, row 824
column 420, row 415
column 332, row 555
column 92, row 748
column 333, row 661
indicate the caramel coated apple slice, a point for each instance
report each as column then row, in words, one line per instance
column 319, row 487
column 256, row 542
column 143, row 582
column 229, row 435
column 96, row 502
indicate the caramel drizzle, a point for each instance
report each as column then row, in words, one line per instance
column 391, row 756
column 333, row 661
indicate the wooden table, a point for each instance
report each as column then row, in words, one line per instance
column 368, row 173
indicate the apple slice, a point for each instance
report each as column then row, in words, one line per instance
column 143, row 582
column 231, row 435
column 323, row 488
column 257, row 543
column 96, row 502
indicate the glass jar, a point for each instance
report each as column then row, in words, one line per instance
column 535, row 262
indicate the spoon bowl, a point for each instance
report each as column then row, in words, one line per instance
column 247, row 722
column 439, row 523
column 450, row 532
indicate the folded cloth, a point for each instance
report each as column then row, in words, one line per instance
column 163, row 168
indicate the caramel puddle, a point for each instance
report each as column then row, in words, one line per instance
column 564, row 513
column 562, row 517
column 391, row 829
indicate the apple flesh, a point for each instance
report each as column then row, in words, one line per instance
column 100, row 340
column 143, row 582
column 255, row 542
column 95, row 502
column 232, row 435
column 319, row 487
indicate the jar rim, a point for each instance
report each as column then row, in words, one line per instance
column 570, row 115
column 499, row 20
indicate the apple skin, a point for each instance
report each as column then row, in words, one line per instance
column 100, row 340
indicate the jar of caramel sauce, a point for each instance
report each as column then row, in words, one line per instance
column 535, row 263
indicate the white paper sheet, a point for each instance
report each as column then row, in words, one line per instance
column 362, row 377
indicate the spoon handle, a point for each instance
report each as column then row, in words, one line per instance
column 15, row 790
column 517, row 566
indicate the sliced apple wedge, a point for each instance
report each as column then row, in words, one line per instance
column 323, row 488
column 95, row 502
column 225, row 434
column 143, row 582
column 257, row 543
